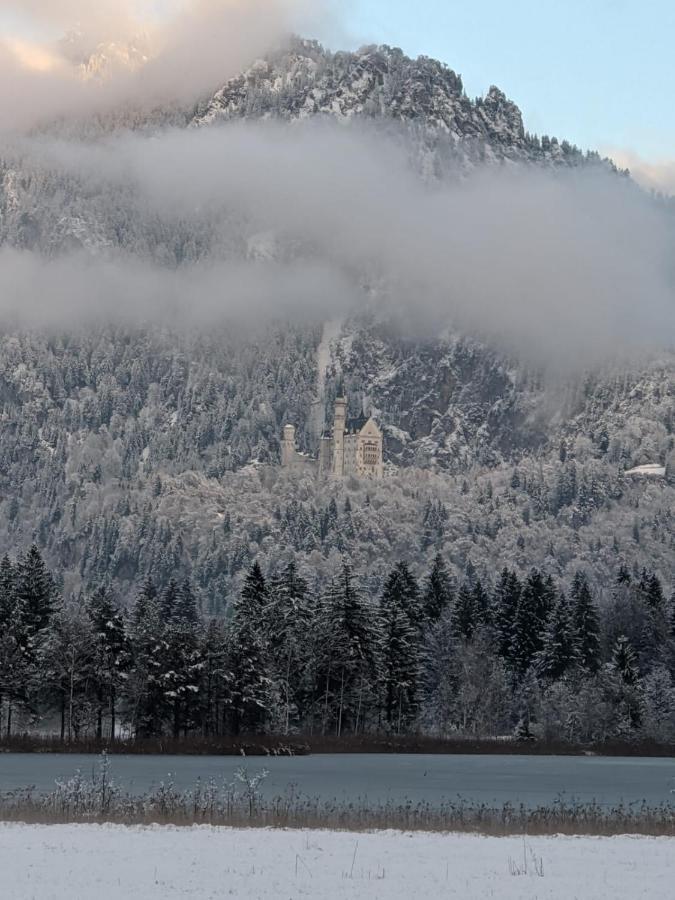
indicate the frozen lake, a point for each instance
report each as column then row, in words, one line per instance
column 531, row 780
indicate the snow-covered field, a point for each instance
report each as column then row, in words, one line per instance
column 81, row 862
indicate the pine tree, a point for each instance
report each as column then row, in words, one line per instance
column 534, row 605
column 110, row 657
column 35, row 594
column 400, row 647
column 437, row 592
column 402, row 587
column 288, row 622
column 504, row 606
column 144, row 691
column 464, row 616
column 248, row 656
column 216, row 680
column 348, row 655
column 624, row 661
column 169, row 600
column 182, row 663
column 559, row 652
column 14, row 668
column 586, row 624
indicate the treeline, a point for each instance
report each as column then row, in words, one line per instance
column 518, row 656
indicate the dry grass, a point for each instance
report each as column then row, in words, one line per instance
column 241, row 804
column 298, row 745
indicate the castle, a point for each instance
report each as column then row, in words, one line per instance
column 352, row 447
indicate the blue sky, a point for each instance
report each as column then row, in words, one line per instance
column 600, row 73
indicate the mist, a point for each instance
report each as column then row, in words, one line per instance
column 184, row 50
column 566, row 269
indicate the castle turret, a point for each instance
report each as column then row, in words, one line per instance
column 288, row 446
column 339, row 423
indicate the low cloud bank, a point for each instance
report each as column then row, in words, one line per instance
column 146, row 53
column 566, row 268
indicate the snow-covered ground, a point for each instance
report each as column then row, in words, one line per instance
column 105, row 862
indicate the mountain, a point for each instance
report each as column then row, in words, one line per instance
column 382, row 83
column 128, row 449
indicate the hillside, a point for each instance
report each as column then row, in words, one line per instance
column 130, row 448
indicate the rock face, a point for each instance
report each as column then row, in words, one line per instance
column 381, row 83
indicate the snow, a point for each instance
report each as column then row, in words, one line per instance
column 652, row 470
column 331, row 331
column 111, row 861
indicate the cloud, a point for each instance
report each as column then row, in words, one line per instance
column 78, row 290
column 654, row 175
column 567, row 269
column 190, row 48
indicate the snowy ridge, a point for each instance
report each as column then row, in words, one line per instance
column 382, row 83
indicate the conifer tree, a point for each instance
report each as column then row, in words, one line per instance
column 400, row 647
column 110, row 657
column 182, row 661
column 144, row 688
column 464, row 616
column 559, row 652
column 288, row 622
column 437, row 591
column 624, row 661
column 534, row 605
column 216, row 678
column 14, row 668
column 35, row 595
column 348, row 655
column 504, row 605
column 251, row 696
column 402, row 587
column 586, row 624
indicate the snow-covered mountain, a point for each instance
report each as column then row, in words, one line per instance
column 382, row 83
column 126, row 450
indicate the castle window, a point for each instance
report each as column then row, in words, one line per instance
column 370, row 454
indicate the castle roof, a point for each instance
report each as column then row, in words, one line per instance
column 355, row 424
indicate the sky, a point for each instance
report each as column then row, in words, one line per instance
column 600, row 73
column 597, row 72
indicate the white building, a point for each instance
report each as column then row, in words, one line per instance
column 350, row 447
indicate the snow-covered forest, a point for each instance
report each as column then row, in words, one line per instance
column 508, row 656
column 131, row 453
column 163, row 316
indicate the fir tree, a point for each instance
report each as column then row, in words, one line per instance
column 624, row 661
column 559, row 652
column 534, row 605
column 251, row 696
column 110, row 657
column 216, row 679
column 437, row 592
column 288, row 622
column 504, row 606
column 35, row 595
column 400, row 648
column 144, row 687
column 348, row 655
column 402, row 588
column 464, row 615
column 586, row 624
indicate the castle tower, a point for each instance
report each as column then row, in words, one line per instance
column 288, row 446
column 339, row 423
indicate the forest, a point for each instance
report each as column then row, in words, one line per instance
column 512, row 657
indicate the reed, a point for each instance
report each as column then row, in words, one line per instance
column 241, row 803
